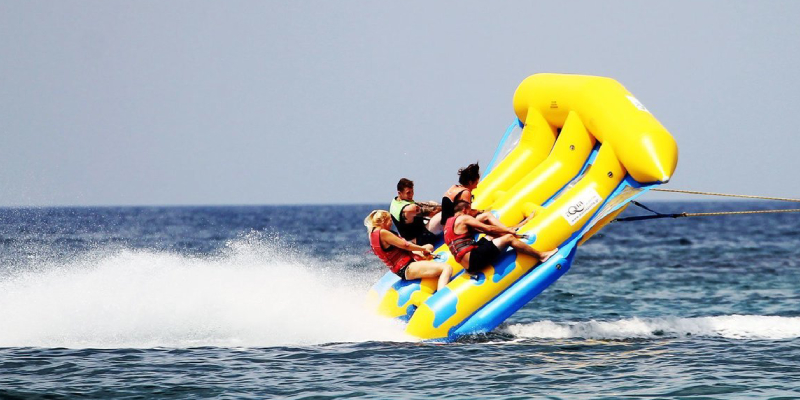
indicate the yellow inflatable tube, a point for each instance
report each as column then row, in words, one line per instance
column 587, row 148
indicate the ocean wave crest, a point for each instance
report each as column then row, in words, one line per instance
column 255, row 293
column 725, row 326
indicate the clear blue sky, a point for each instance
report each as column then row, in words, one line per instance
column 268, row 102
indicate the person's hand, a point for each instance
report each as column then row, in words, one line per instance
column 523, row 236
column 523, row 222
column 429, row 247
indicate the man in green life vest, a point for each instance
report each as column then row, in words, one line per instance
column 420, row 223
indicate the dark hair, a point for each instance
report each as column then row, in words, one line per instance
column 404, row 183
column 461, row 206
column 469, row 174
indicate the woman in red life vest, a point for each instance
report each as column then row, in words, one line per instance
column 468, row 179
column 399, row 254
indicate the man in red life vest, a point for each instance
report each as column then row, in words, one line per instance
column 459, row 234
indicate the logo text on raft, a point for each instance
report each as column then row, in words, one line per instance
column 581, row 205
column 574, row 209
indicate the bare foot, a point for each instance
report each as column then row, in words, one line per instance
column 547, row 254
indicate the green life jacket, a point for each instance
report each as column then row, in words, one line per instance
column 408, row 230
column 396, row 209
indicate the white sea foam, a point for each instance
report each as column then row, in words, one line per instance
column 726, row 326
column 254, row 294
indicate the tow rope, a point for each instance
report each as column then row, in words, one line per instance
column 658, row 215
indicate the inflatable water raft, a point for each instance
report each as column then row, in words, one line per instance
column 581, row 149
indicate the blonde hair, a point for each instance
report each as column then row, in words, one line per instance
column 376, row 218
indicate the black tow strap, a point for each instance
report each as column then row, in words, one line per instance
column 657, row 215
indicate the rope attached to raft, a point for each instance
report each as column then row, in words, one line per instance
column 725, row 195
column 658, row 215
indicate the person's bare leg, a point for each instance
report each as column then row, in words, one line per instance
column 435, row 224
column 444, row 277
column 522, row 247
column 430, row 269
column 488, row 218
column 503, row 241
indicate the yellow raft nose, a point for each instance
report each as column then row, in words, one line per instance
column 652, row 157
column 611, row 114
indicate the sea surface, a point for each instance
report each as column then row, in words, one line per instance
column 268, row 302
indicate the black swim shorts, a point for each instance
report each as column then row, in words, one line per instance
column 402, row 271
column 427, row 237
column 486, row 254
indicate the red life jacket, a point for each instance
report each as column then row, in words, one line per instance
column 395, row 258
column 456, row 192
column 459, row 245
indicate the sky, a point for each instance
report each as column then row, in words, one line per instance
column 308, row 102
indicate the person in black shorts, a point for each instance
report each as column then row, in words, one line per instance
column 484, row 254
column 459, row 234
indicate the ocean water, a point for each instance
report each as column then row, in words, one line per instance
column 268, row 302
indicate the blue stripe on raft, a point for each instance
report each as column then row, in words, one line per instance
column 443, row 305
column 478, row 278
column 405, row 289
column 503, row 266
column 519, row 294
column 409, row 313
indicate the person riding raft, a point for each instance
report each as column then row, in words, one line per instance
column 419, row 223
column 468, row 179
column 462, row 223
column 459, row 235
column 407, row 260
